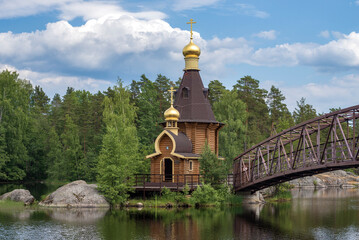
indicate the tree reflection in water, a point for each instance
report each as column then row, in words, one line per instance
column 312, row 214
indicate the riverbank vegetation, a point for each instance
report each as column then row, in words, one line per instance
column 103, row 137
column 281, row 193
column 12, row 205
column 203, row 196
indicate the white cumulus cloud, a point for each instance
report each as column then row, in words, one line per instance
column 334, row 56
column 98, row 44
column 340, row 91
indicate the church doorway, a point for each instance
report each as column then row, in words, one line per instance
column 168, row 170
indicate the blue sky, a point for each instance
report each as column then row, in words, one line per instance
column 305, row 48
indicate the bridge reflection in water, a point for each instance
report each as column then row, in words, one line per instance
column 326, row 143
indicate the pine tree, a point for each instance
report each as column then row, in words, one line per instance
column 73, row 163
column 148, row 112
column 231, row 111
column 118, row 158
column 4, row 158
column 303, row 112
column 280, row 116
column 213, row 170
column 258, row 123
column 15, row 120
column 216, row 90
column 55, row 158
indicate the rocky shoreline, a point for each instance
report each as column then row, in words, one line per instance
column 79, row 194
column 334, row 179
column 338, row 178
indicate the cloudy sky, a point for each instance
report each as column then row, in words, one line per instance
column 306, row 48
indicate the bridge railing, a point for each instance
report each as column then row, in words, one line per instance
column 328, row 139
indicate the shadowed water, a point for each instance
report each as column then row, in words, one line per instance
column 322, row 214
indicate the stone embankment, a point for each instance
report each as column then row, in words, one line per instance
column 76, row 194
column 334, row 179
column 337, row 178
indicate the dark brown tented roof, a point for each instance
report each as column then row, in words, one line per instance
column 192, row 99
column 183, row 143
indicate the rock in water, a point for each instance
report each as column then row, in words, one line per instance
column 19, row 195
column 76, row 194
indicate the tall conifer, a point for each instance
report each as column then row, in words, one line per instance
column 118, row 158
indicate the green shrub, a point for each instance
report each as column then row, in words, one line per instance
column 205, row 195
column 167, row 194
column 224, row 193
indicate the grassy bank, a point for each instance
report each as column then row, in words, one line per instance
column 282, row 193
column 8, row 204
column 205, row 196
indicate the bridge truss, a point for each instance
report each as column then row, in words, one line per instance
column 326, row 143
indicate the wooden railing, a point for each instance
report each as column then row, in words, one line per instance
column 173, row 181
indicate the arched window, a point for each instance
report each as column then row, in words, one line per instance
column 185, row 92
column 190, row 165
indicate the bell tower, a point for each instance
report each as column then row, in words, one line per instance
column 196, row 120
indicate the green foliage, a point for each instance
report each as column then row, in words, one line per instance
column 282, row 192
column 213, row 170
column 15, row 122
column 231, row 111
column 303, row 112
column 258, row 124
column 63, row 139
column 11, row 205
column 118, row 158
column 151, row 99
column 167, row 194
column 280, row 116
column 205, row 195
column 216, row 90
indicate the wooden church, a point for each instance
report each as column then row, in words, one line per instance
column 189, row 124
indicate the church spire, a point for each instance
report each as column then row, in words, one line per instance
column 191, row 52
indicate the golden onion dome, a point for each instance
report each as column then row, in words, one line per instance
column 191, row 50
column 172, row 114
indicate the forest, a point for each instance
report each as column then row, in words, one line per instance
column 105, row 136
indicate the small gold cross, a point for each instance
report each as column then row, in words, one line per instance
column 191, row 22
column 171, row 91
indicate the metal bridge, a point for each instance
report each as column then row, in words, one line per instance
column 326, row 143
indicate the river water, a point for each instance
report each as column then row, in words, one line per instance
column 311, row 214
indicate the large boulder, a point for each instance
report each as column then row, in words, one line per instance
column 19, row 195
column 76, row 194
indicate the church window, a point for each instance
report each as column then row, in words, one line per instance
column 190, row 165
column 185, row 93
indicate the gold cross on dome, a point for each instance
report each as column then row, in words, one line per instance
column 191, row 22
column 171, row 91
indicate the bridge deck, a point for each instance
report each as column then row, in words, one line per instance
column 326, row 143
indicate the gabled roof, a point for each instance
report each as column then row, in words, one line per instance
column 195, row 107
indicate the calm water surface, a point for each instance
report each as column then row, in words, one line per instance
column 320, row 214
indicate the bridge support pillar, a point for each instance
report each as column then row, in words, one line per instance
column 252, row 198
